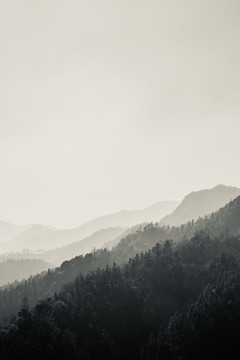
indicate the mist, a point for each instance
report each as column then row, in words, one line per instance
column 110, row 106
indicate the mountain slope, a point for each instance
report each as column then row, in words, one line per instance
column 17, row 270
column 8, row 230
column 200, row 203
column 127, row 218
column 96, row 240
column 111, row 313
column 142, row 239
column 222, row 222
column 42, row 237
column 33, row 238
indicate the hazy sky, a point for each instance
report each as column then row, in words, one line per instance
column 112, row 104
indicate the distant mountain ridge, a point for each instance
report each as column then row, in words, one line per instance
column 45, row 238
column 194, row 205
column 200, row 203
column 17, row 270
column 128, row 218
column 8, row 230
column 81, row 247
column 225, row 222
column 34, row 235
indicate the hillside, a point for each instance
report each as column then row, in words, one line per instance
column 34, row 238
column 42, row 237
column 112, row 243
column 8, row 230
column 223, row 222
column 145, row 237
column 17, row 270
column 94, row 241
column 200, row 203
column 190, row 293
column 99, row 239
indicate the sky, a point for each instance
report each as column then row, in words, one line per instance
column 115, row 104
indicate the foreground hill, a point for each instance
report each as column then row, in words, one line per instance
column 200, row 203
column 223, row 224
column 190, row 291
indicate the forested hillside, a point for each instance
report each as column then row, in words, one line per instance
column 116, row 313
column 224, row 224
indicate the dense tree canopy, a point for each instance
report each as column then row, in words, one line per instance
column 117, row 312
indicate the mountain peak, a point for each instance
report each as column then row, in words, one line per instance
column 201, row 203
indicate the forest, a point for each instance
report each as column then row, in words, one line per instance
column 223, row 223
column 178, row 299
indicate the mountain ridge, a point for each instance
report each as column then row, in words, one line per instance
column 56, row 238
column 200, row 203
column 145, row 237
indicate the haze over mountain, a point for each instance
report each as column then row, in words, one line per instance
column 200, row 203
column 94, row 241
column 111, row 105
column 223, row 224
column 17, row 270
column 42, row 237
column 88, row 236
column 8, row 230
column 225, row 221
column 128, row 218
column 33, row 238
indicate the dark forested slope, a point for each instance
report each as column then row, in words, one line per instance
column 116, row 313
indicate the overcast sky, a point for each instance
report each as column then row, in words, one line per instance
column 115, row 104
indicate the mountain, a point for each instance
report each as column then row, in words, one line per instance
column 200, row 203
column 173, row 302
column 127, row 218
column 46, row 238
column 224, row 224
column 17, row 270
column 143, row 294
column 8, row 230
column 94, row 241
column 33, row 238
column 114, row 242
column 225, row 221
